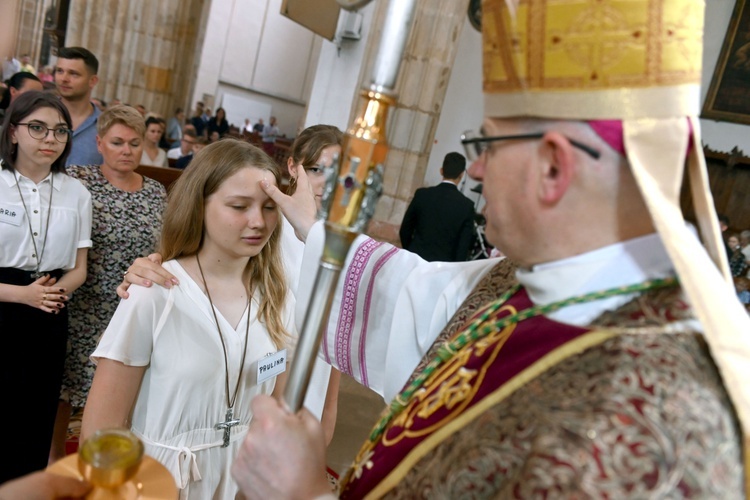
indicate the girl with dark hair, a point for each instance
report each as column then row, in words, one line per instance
column 45, row 232
column 153, row 155
column 179, row 366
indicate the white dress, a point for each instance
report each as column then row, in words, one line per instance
column 182, row 395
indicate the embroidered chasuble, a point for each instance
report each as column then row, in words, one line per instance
column 629, row 405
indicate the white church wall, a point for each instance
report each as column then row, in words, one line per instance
column 212, row 53
column 252, row 52
column 462, row 107
column 287, row 53
column 337, row 77
column 242, row 41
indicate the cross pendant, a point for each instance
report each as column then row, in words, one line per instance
column 227, row 425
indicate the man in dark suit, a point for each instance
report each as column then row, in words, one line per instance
column 439, row 223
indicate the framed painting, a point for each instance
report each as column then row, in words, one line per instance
column 728, row 97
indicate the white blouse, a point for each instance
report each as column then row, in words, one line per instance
column 159, row 161
column 69, row 221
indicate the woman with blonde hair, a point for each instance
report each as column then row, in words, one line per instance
column 126, row 224
column 186, row 361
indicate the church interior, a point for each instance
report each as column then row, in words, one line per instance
column 307, row 66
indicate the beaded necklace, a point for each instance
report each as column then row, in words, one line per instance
column 484, row 324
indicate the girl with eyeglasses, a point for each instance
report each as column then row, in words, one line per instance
column 45, row 233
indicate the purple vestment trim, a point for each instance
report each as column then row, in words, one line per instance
column 366, row 313
column 347, row 312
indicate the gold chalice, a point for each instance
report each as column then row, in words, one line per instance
column 109, row 459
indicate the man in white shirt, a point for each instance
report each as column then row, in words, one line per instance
column 186, row 145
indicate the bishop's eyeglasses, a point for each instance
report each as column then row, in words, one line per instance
column 476, row 144
column 39, row 131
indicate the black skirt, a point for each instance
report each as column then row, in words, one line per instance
column 34, row 343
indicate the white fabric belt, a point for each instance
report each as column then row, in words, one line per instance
column 186, row 460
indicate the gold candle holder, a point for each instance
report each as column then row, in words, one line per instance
column 110, row 458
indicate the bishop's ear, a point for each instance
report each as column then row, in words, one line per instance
column 557, row 168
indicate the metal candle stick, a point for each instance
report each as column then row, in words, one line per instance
column 354, row 184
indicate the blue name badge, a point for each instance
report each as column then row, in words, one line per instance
column 272, row 365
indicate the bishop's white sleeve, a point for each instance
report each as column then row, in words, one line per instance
column 388, row 308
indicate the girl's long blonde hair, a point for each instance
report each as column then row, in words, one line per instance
column 182, row 234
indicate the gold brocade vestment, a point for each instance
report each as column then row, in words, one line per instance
column 641, row 412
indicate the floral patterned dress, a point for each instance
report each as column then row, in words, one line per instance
column 125, row 226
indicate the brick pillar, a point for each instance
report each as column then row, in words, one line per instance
column 423, row 81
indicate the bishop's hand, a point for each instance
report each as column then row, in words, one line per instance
column 283, row 455
column 299, row 208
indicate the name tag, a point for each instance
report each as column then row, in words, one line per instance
column 11, row 215
column 271, row 365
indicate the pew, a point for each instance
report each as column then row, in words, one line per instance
column 165, row 176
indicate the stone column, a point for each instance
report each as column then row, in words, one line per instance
column 22, row 28
column 146, row 49
column 423, row 81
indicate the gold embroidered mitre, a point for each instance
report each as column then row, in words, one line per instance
column 637, row 62
column 592, row 59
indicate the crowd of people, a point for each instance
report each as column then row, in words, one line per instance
column 738, row 253
column 99, row 215
column 603, row 357
column 74, row 79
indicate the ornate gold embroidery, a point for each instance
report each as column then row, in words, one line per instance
column 498, row 280
column 592, row 44
column 452, row 392
column 451, row 387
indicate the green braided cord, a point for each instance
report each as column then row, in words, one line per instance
column 473, row 332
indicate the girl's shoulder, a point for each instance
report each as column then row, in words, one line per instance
column 71, row 184
column 155, row 296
